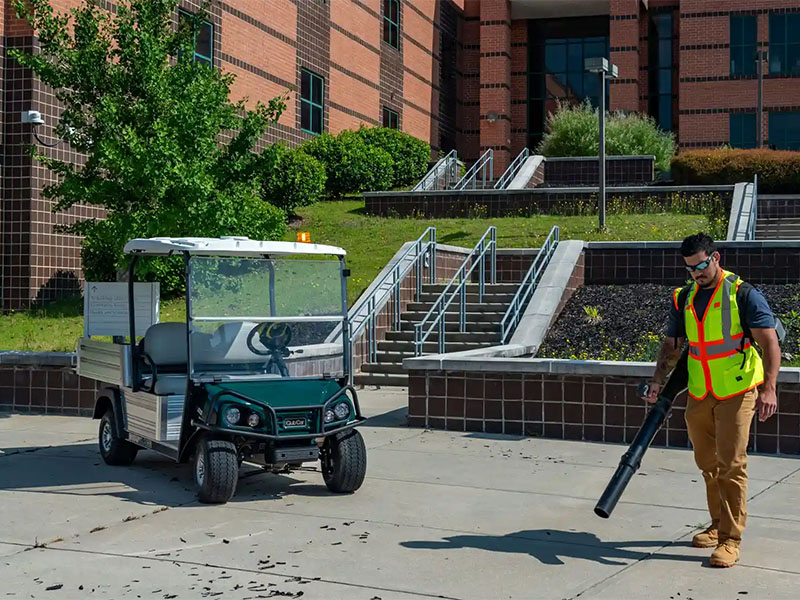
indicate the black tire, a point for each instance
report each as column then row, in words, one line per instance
column 216, row 470
column 113, row 449
column 344, row 462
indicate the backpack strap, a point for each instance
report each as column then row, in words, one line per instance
column 742, row 296
column 679, row 297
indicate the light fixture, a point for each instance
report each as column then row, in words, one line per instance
column 232, row 415
column 492, row 116
column 34, row 117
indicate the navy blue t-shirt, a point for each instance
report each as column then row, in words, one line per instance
column 757, row 313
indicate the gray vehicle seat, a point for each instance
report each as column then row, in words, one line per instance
column 164, row 344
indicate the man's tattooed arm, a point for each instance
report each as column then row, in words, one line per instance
column 667, row 358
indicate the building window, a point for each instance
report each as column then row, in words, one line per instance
column 784, row 131
column 390, row 118
column 784, row 46
column 556, row 54
column 203, row 40
column 743, row 45
column 391, row 22
column 312, row 92
column 662, row 69
column 743, row 130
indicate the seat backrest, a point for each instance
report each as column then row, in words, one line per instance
column 165, row 344
column 228, row 344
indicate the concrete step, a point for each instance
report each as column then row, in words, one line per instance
column 475, row 320
column 472, row 298
column 427, row 347
column 485, row 307
column 381, row 379
column 395, row 368
column 487, row 337
column 500, row 288
column 451, row 324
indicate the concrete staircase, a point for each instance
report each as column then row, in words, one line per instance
column 482, row 330
column 778, row 228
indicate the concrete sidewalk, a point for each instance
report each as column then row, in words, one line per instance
column 440, row 515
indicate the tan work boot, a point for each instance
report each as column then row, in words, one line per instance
column 726, row 554
column 706, row 539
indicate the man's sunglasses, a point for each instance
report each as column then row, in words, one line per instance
column 700, row 266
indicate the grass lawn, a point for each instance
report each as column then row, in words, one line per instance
column 370, row 243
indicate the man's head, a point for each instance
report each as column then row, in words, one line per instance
column 701, row 258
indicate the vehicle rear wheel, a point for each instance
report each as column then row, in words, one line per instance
column 344, row 461
column 113, row 449
column 216, row 470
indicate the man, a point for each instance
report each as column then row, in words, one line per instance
column 721, row 316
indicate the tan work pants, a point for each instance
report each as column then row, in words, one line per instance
column 719, row 430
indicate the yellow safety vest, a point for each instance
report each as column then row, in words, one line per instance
column 720, row 362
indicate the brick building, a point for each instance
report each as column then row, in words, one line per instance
column 465, row 74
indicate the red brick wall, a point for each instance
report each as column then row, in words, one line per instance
column 495, row 81
column 707, row 93
column 519, row 87
column 624, row 52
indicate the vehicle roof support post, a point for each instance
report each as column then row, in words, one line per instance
column 188, row 271
column 347, row 360
column 271, row 268
column 132, row 323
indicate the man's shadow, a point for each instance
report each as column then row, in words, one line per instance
column 548, row 545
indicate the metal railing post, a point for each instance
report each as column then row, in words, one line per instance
column 494, row 256
column 433, row 256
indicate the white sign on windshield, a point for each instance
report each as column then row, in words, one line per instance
column 105, row 308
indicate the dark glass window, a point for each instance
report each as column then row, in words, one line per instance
column 391, row 22
column 203, row 40
column 784, row 46
column 312, row 92
column 390, row 118
column 662, row 69
column 743, row 130
column 784, row 130
column 556, row 73
column 743, row 45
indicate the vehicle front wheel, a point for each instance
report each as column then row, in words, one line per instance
column 216, row 470
column 113, row 449
column 344, row 461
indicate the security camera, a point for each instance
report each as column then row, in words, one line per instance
column 34, row 117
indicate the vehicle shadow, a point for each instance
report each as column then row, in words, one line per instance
column 78, row 470
column 550, row 546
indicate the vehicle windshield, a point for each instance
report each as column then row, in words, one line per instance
column 265, row 317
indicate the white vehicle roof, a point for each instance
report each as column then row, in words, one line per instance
column 225, row 246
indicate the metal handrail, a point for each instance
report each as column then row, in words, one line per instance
column 477, row 258
column 751, row 225
column 444, row 166
column 484, row 164
column 528, row 285
column 508, row 176
column 367, row 307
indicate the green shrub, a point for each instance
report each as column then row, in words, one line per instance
column 778, row 171
column 290, row 178
column 410, row 155
column 351, row 165
column 574, row 131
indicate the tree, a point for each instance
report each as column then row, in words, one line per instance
column 167, row 152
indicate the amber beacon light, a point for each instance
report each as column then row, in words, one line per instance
column 304, row 237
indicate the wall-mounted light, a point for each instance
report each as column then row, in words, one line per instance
column 492, row 116
column 34, row 117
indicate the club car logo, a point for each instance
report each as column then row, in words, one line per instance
column 295, row 422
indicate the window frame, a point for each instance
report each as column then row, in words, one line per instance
column 310, row 101
column 737, row 141
column 779, row 50
column 774, row 118
column 747, row 68
column 390, row 25
column 392, row 114
column 203, row 59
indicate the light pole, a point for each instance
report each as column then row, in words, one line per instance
column 761, row 56
column 606, row 70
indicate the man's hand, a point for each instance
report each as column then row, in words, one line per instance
column 767, row 404
column 652, row 393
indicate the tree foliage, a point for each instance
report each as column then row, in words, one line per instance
column 167, row 151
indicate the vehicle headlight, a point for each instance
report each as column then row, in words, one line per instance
column 342, row 411
column 253, row 420
column 232, row 415
column 329, row 416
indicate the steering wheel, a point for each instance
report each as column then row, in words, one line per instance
column 275, row 337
